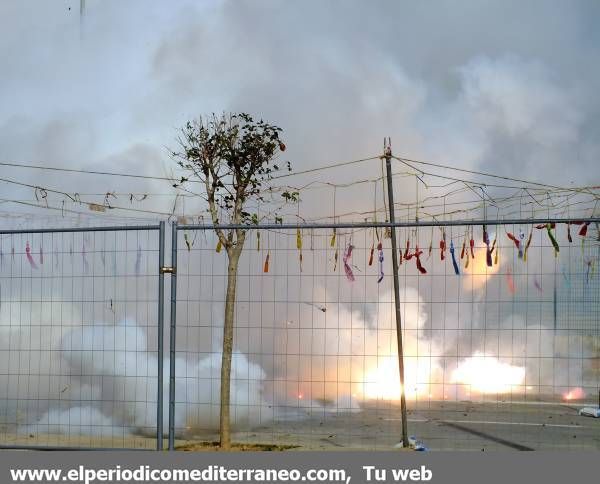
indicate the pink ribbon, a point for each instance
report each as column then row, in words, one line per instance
column 29, row 256
column 346, row 259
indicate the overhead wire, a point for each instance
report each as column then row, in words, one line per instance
column 534, row 187
column 481, row 173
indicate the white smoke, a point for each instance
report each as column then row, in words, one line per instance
column 102, row 379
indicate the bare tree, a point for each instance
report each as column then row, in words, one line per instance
column 235, row 158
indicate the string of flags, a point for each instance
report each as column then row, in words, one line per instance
column 520, row 242
column 30, row 256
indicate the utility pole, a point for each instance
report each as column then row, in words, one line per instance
column 387, row 150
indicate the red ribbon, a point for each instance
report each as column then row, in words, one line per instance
column 443, row 248
column 583, row 230
column 417, row 255
column 514, row 239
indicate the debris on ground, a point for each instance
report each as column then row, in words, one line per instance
column 413, row 444
column 590, row 412
column 252, row 447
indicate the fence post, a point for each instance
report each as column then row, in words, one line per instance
column 172, row 336
column 161, row 324
column 390, row 190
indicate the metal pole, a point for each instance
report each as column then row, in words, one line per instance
column 161, row 331
column 106, row 228
column 554, row 302
column 368, row 225
column 172, row 337
column 390, row 190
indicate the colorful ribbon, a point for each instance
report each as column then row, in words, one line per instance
column 456, row 271
column 407, row 254
column 510, row 281
column 346, row 258
column 514, row 239
column 496, row 256
column 29, row 256
column 488, row 251
column 472, row 245
column 299, row 246
column 417, row 255
column 380, row 257
column 552, row 239
column 521, row 239
column 583, row 229
column 443, row 246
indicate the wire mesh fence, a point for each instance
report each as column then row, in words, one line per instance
column 78, row 338
column 501, row 355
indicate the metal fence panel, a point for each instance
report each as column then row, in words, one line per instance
column 79, row 333
column 498, row 357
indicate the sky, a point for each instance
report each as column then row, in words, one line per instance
column 496, row 86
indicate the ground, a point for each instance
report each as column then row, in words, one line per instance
column 439, row 425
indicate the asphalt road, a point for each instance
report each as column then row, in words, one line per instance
column 469, row 426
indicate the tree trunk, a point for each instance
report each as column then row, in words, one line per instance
column 228, row 327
